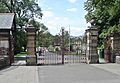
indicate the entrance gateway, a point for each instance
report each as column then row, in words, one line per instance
column 70, row 53
column 33, row 58
column 88, row 51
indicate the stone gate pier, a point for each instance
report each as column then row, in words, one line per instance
column 91, row 44
column 31, row 58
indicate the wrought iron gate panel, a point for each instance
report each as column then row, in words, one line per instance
column 52, row 58
column 49, row 59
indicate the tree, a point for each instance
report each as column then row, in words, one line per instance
column 24, row 10
column 57, row 40
column 3, row 8
column 66, row 39
column 44, row 38
column 106, row 14
column 21, row 41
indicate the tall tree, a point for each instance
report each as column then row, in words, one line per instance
column 106, row 14
column 24, row 10
column 44, row 38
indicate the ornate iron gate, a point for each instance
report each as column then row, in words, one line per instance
column 49, row 58
column 67, row 49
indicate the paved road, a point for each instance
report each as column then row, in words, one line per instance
column 19, row 74
column 69, row 73
column 111, row 67
column 76, row 73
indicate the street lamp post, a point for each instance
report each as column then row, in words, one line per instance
column 62, row 48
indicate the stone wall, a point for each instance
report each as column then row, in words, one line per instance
column 112, row 47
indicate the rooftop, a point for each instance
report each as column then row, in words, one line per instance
column 6, row 20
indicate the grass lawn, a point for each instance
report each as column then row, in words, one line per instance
column 71, row 53
column 22, row 54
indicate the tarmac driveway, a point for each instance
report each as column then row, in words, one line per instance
column 76, row 73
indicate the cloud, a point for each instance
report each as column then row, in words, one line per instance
column 51, row 23
column 72, row 10
column 72, row 1
column 55, row 23
column 47, row 14
column 57, row 18
column 77, row 31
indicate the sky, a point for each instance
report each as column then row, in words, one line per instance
column 69, row 14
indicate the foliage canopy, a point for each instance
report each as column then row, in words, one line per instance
column 24, row 10
column 106, row 13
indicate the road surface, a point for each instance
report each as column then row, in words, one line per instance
column 76, row 73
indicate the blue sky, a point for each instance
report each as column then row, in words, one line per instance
column 64, row 13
